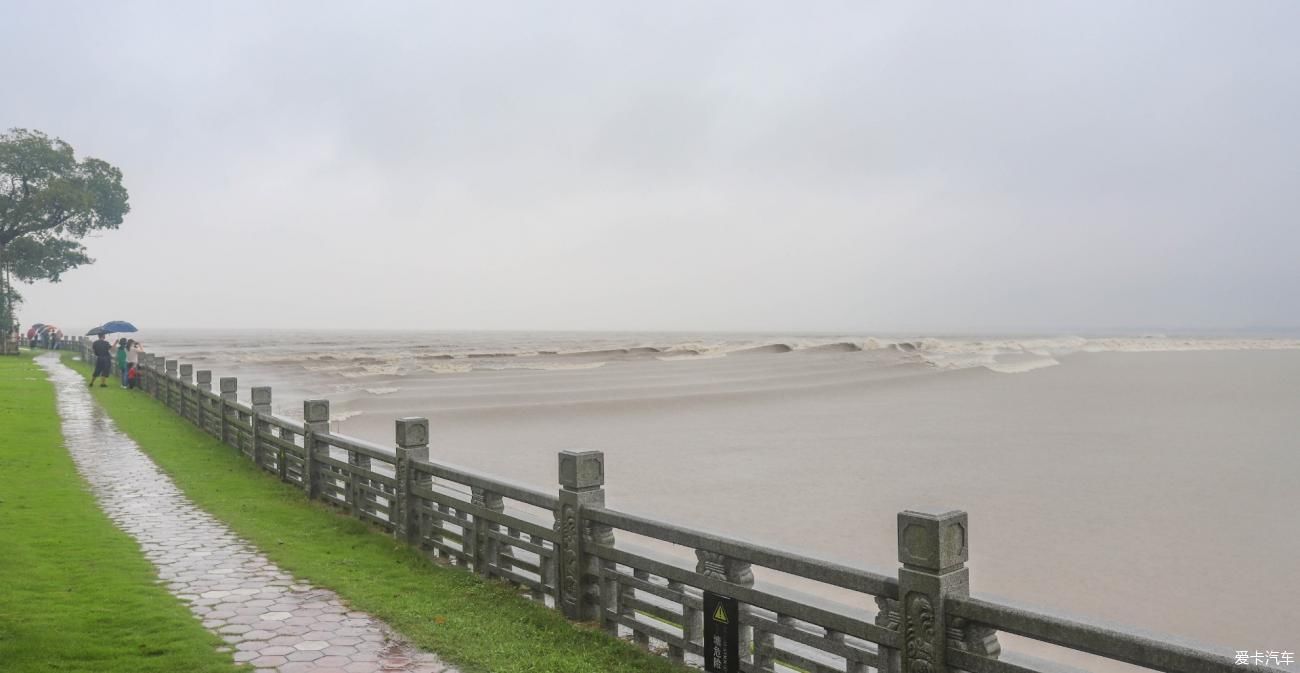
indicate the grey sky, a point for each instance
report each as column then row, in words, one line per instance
column 677, row 165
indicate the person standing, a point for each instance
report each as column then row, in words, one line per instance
column 103, row 361
column 133, row 349
column 123, row 346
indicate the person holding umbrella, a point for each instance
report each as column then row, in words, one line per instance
column 103, row 360
column 104, row 352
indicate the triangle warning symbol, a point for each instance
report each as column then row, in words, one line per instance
column 720, row 615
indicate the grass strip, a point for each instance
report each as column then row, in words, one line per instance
column 475, row 624
column 76, row 594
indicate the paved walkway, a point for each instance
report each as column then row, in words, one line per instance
column 268, row 618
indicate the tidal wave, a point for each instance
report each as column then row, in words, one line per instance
column 365, row 357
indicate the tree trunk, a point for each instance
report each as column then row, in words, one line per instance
column 6, row 312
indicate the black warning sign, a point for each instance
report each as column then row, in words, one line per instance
column 721, row 634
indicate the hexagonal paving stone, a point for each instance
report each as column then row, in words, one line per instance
column 305, row 655
column 309, row 645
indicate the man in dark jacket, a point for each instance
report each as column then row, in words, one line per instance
column 103, row 361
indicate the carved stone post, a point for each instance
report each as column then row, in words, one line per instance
column 412, row 444
column 260, row 396
column 933, row 548
column 735, row 571
column 229, row 391
column 158, row 387
column 315, row 418
column 170, row 382
column 185, row 376
column 204, row 384
column 582, row 474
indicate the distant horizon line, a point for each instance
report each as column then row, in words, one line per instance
column 1258, row 330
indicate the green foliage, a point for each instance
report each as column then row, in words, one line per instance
column 475, row 624
column 49, row 201
column 75, row 592
column 32, row 259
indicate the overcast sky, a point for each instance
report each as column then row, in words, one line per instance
column 946, row 166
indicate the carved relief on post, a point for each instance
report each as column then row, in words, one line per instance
column 918, row 640
column 582, row 474
column 569, row 558
column 933, row 548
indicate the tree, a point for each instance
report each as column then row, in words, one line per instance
column 49, row 201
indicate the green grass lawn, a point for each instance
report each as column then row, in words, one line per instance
column 474, row 624
column 75, row 592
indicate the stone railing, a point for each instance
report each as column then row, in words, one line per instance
column 571, row 552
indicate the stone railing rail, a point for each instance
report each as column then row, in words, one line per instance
column 571, row 552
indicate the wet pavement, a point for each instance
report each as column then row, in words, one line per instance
column 266, row 617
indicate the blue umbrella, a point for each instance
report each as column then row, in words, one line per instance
column 117, row 326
